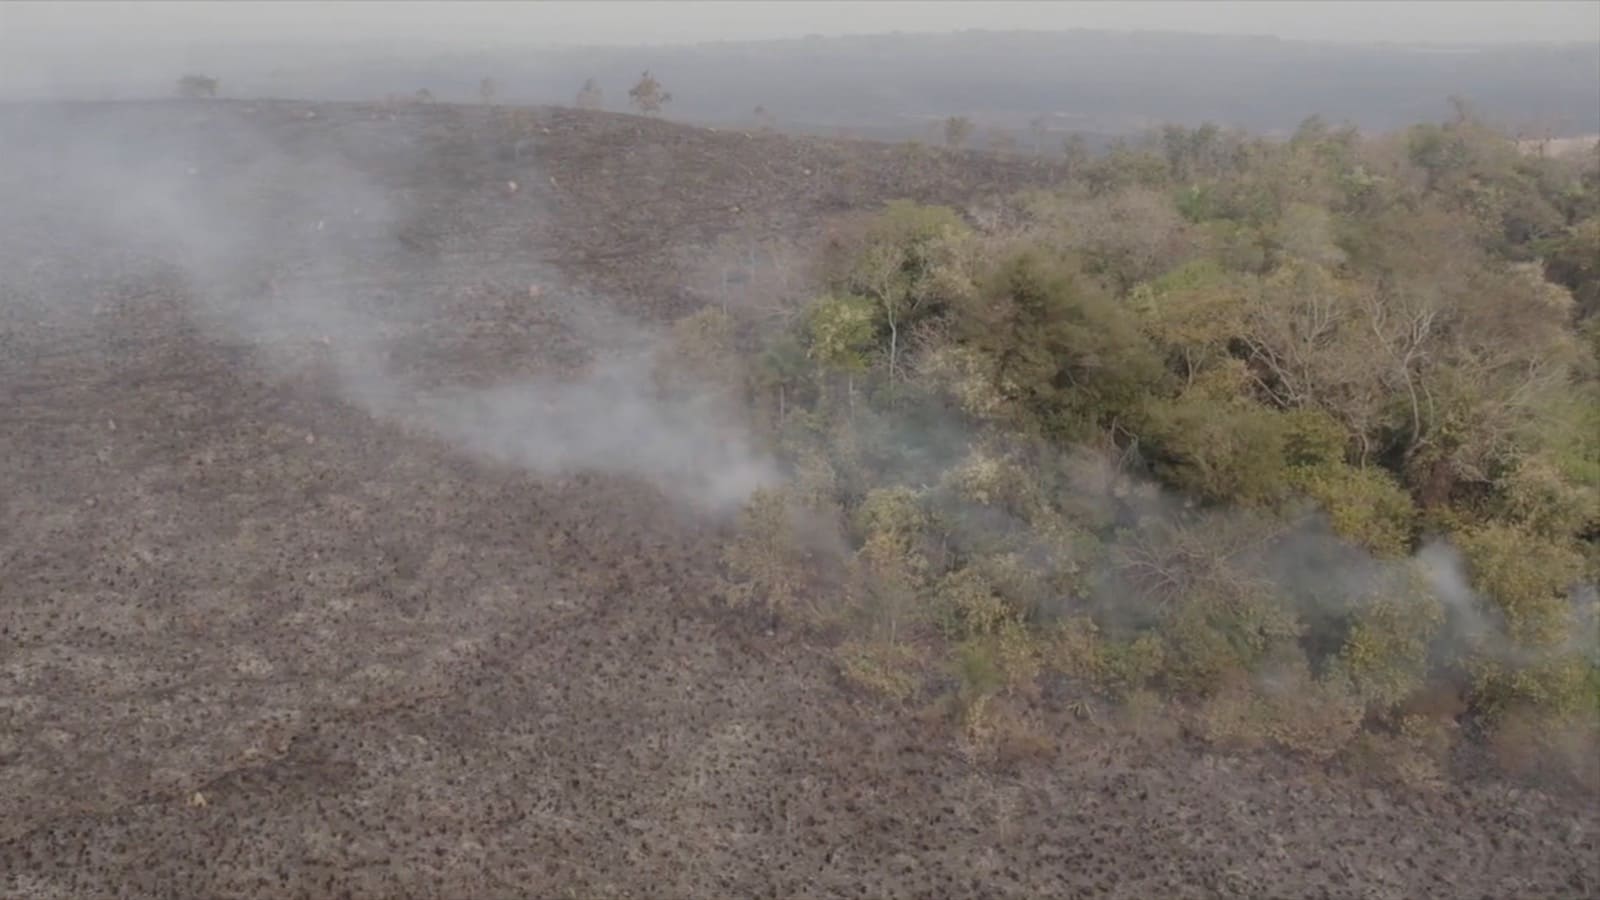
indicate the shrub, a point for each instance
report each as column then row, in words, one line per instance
column 892, row 670
column 1540, row 746
column 1365, row 506
column 702, row 350
column 1537, row 495
column 895, row 512
column 1215, row 635
column 1385, row 654
column 967, row 606
column 886, row 585
column 1414, row 755
column 1527, row 577
column 1316, row 717
column 767, row 556
column 1078, row 650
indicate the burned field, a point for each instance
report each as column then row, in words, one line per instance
column 267, row 629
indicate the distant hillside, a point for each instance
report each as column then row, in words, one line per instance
column 902, row 84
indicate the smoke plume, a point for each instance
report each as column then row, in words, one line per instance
column 280, row 241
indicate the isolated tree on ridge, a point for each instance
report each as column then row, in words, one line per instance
column 590, row 96
column 647, row 95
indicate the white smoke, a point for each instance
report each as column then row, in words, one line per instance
column 294, row 253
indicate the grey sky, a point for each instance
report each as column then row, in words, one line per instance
column 65, row 26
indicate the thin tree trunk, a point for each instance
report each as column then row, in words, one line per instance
column 894, row 348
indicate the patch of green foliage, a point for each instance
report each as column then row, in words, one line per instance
column 1400, row 334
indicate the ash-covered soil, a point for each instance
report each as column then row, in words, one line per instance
column 259, row 640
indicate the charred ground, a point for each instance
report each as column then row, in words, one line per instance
column 256, row 641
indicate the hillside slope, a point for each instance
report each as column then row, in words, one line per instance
column 261, row 635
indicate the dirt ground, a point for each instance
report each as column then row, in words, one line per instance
column 256, row 642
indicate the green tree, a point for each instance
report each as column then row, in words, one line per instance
column 842, row 336
column 1062, row 350
column 910, row 267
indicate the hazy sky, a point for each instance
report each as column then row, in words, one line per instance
column 66, row 25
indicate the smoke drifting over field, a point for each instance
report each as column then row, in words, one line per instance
column 297, row 254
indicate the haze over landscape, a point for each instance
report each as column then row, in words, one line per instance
column 629, row 22
column 800, row 450
column 1099, row 69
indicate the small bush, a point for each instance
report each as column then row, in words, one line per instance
column 1114, row 668
column 1527, row 577
column 702, row 353
column 891, row 670
column 1538, row 746
column 1537, row 495
column 1385, row 654
column 895, row 512
column 967, row 606
column 1416, row 755
column 1216, row 634
column 1313, row 717
column 767, row 557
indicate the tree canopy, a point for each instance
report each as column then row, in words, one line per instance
column 1211, row 407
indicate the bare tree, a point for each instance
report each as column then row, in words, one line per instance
column 647, row 95
column 424, row 95
column 195, row 86
column 957, row 131
column 590, row 96
column 487, row 90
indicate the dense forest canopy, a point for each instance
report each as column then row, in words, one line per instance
column 1301, row 435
